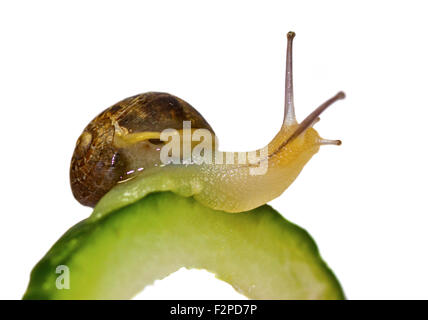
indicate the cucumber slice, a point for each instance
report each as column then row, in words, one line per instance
column 258, row 252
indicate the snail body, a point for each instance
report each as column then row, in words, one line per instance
column 126, row 141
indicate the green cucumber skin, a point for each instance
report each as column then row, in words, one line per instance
column 258, row 252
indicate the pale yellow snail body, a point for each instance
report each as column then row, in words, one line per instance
column 231, row 182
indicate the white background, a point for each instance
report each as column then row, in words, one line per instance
column 61, row 63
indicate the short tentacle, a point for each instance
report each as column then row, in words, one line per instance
column 325, row 142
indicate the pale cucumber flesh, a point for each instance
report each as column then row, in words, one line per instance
column 258, row 252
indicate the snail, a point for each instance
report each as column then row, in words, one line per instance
column 126, row 141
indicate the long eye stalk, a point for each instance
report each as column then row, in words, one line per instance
column 289, row 113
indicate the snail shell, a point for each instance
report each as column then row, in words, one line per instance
column 97, row 165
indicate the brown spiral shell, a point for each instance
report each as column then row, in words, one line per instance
column 97, row 165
